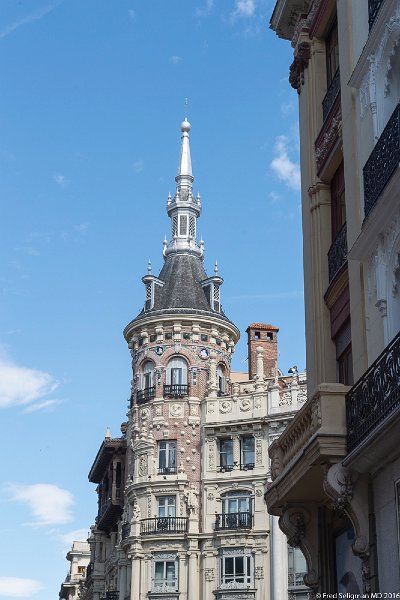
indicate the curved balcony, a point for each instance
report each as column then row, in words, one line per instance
column 374, row 399
column 163, row 525
column 240, row 520
column 143, row 396
column 176, row 390
column 383, row 161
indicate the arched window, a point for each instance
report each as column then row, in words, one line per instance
column 147, row 388
column 236, row 511
column 221, row 380
column 177, row 378
column 148, row 375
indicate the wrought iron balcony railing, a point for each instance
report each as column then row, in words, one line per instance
column 163, row 525
column 337, row 254
column 145, row 395
column 384, row 159
column 176, row 390
column 114, row 595
column 226, row 468
column 161, row 586
column 167, row 470
column 295, row 579
column 373, row 9
column 240, row 520
column 375, row 396
column 331, row 95
column 247, row 466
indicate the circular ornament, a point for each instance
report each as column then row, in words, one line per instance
column 203, row 353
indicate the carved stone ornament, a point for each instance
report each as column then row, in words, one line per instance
column 259, row 573
column 209, row 574
column 176, row 410
column 245, row 404
column 297, row 520
column 338, row 484
column 143, row 465
column 210, row 496
column 299, row 64
column 225, row 406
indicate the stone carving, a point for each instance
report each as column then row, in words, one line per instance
column 176, row 410
column 258, row 452
column 209, row 574
column 259, row 493
column 259, row 573
column 143, row 465
column 297, row 519
column 325, row 145
column 244, row 404
column 298, row 66
column 158, row 411
column 211, row 407
column 192, row 501
column 144, row 413
column 210, row 496
column 136, row 511
column 225, row 406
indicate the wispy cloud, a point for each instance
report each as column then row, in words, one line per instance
column 48, row 503
column 60, row 179
column 15, row 587
column 131, row 13
column 45, row 406
column 244, row 8
column 206, row 9
column 175, row 60
column 33, row 16
column 138, row 166
column 286, row 170
column 274, row 197
column 77, row 535
column 22, row 385
column 82, row 228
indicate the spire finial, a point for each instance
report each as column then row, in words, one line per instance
column 149, row 267
column 108, row 434
column 216, row 268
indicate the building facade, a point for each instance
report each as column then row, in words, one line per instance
column 336, row 469
column 181, row 512
column 79, row 557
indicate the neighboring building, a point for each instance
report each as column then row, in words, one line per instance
column 336, row 469
column 181, row 508
column 79, row 557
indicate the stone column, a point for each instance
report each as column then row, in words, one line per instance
column 279, row 560
column 135, row 577
column 236, row 450
column 122, row 581
column 193, row 588
column 182, row 576
column 212, row 385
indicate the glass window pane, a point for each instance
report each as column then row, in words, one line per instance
column 170, row 568
column 159, row 570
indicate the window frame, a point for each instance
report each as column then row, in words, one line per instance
column 246, row 464
column 241, row 580
column 223, row 463
column 170, row 457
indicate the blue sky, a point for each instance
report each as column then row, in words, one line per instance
column 93, row 93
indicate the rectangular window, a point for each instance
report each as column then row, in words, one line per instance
column 332, row 52
column 344, row 357
column 176, row 376
column 166, row 506
column 247, row 452
column 348, row 566
column 297, row 567
column 165, row 576
column 167, row 457
column 236, row 570
column 183, row 225
column 226, row 454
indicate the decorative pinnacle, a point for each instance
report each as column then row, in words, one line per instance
column 108, row 434
column 216, row 268
column 149, row 267
column 185, row 165
column 169, row 198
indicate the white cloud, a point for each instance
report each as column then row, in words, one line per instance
column 46, row 406
column 34, row 16
column 60, row 179
column 21, row 385
column 287, row 170
column 138, row 166
column 175, row 60
column 131, row 13
column 15, row 587
column 244, row 8
column 82, row 228
column 77, row 535
column 274, row 197
column 49, row 504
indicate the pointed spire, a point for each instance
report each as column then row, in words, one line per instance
column 149, row 267
column 216, row 268
column 185, row 165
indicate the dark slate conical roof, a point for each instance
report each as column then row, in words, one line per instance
column 183, row 274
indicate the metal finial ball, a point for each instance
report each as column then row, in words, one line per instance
column 185, row 126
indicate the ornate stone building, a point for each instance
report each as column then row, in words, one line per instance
column 79, row 557
column 336, row 469
column 181, row 510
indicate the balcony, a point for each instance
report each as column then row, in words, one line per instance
column 112, row 595
column 176, row 390
column 143, row 396
column 241, row 520
column 226, row 468
column 167, row 471
column 382, row 162
column 375, row 399
column 247, row 466
column 337, row 254
column 164, row 586
column 331, row 95
column 110, row 510
column 373, row 9
column 163, row 525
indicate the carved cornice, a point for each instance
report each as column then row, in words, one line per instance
column 299, row 64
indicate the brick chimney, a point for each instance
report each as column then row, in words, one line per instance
column 266, row 337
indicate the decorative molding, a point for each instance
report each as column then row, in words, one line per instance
column 298, row 66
